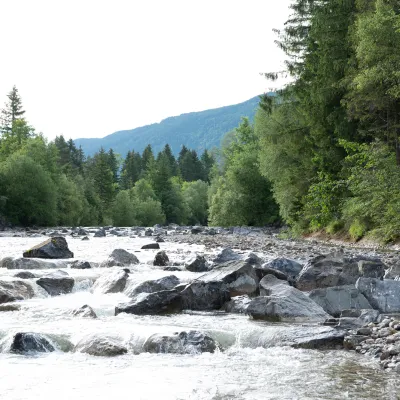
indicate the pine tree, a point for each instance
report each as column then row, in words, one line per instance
column 13, row 110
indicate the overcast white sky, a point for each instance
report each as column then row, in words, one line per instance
column 87, row 68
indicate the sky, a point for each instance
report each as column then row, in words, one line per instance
column 88, row 68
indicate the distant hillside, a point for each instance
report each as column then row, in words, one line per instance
column 196, row 130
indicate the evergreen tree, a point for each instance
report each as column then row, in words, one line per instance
column 13, row 110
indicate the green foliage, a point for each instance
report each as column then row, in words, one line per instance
column 195, row 195
column 29, row 191
column 242, row 196
column 123, row 212
column 357, row 230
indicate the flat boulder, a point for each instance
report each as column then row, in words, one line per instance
column 161, row 259
column 152, row 286
column 383, row 295
column 163, row 302
column 120, row 258
column 27, row 263
column 282, row 302
column 197, row 264
column 84, row 312
column 100, row 346
column 227, row 255
column 338, row 298
column 192, row 342
column 111, row 282
column 238, row 276
column 372, row 269
column 151, row 246
column 55, row 247
column 56, row 283
column 334, row 269
column 204, row 296
column 15, row 290
column 29, row 342
column 327, row 339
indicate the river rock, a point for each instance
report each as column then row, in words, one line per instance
column 197, row 264
column 29, row 342
column 120, row 258
column 111, row 282
column 371, row 269
column 329, row 270
column 227, row 255
column 191, row 342
column 237, row 305
column 27, row 263
column 80, row 264
column 84, row 312
column 290, row 268
column 100, row 233
column 24, row 275
column 163, row 302
column 161, row 259
column 253, row 259
column 382, row 295
column 151, row 246
column 55, row 247
column 284, row 303
column 238, row 276
column 100, row 346
column 56, row 283
column 330, row 339
column 15, row 290
column 204, row 296
column 152, row 286
column 338, row 298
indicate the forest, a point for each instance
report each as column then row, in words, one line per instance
column 321, row 155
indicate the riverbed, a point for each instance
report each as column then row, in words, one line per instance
column 253, row 359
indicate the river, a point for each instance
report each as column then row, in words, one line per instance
column 253, row 360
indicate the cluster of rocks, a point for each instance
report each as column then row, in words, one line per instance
column 379, row 340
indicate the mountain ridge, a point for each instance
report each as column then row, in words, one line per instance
column 197, row 130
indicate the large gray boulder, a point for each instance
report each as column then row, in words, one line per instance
column 56, row 283
column 100, row 346
column 26, row 263
column 338, row 298
column 191, row 342
column 238, row 276
column 281, row 302
column 55, row 247
column 111, row 282
column 204, row 296
column 383, row 295
column 80, row 264
column 25, row 275
column 120, row 258
column 15, row 290
column 334, row 269
column 29, row 342
column 163, row 302
column 197, row 264
column 156, row 285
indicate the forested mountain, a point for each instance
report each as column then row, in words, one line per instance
column 197, row 130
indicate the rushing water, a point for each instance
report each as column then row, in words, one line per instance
column 253, row 361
